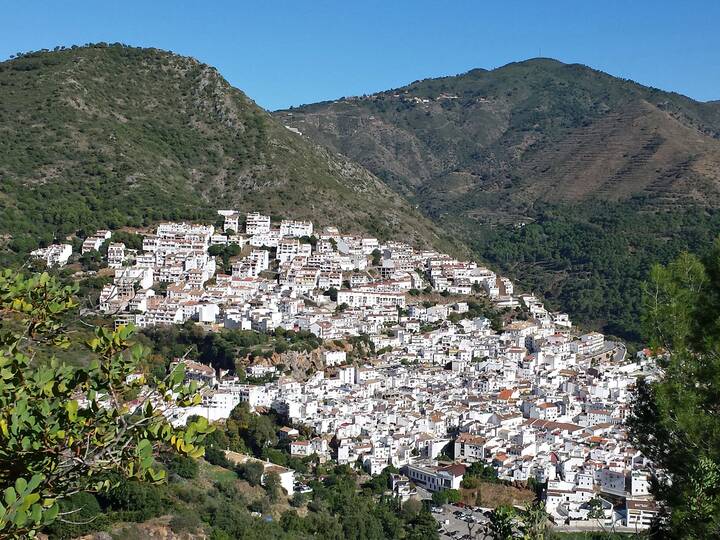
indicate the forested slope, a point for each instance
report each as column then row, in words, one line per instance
column 612, row 174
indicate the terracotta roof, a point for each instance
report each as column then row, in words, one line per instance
column 635, row 504
column 505, row 394
column 470, row 439
column 547, row 424
column 456, row 469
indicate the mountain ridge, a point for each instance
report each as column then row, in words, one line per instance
column 553, row 100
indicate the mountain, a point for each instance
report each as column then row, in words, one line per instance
column 110, row 135
column 528, row 131
column 569, row 179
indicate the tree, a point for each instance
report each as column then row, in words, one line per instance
column 262, row 432
column 84, row 514
column 596, row 509
column 501, row 524
column 138, row 500
column 64, row 429
column 439, row 498
column 273, row 486
column 481, row 470
column 410, row 508
column 252, row 472
column 534, row 521
column 470, row 482
column 332, row 292
column 298, row 499
column 423, row 526
column 183, row 466
column 453, row 495
column 215, row 456
column 376, row 256
column 676, row 420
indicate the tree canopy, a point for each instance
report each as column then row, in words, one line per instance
column 676, row 417
column 66, row 430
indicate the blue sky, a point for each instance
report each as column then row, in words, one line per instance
column 284, row 53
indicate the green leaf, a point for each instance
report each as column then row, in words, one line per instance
column 35, row 481
column 10, row 496
column 144, row 448
column 36, row 513
column 20, row 518
column 72, row 409
column 20, row 486
column 51, row 513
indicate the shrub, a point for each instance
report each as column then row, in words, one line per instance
column 470, row 482
column 86, row 517
column 185, row 521
column 183, row 466
column 252, row 472
column 215, row 456
column 138, row 501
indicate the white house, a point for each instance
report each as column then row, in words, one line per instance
column 333, row 358
column 435, row 478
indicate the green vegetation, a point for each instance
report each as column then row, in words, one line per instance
column 221, row 349
column 66, row 430
column 592, row 259
column 480, row 308
column 225, row 253
column 446, row 496
column 594, row 535
column 676, row 422
column 220, row 503
column 110, row 135
column 479, row 472
column 608, row 175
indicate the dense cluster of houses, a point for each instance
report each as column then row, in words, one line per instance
column 534, row 399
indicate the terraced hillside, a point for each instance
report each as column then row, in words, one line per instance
column 529, row 131
column 112, row 135
column 569, row 179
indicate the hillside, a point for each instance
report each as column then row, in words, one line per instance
column 534, row 130
column 610, row 175
column 104, row 136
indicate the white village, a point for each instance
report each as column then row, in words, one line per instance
column 526, row 394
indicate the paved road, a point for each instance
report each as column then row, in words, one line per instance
column 468, row 526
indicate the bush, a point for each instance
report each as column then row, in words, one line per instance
column 185, row 522
column 137, row 501
column 214, row 456
column 252, row 472
column 439, row 498
column 273, row 486
column 446, row 496
column 453, row 495
column 470, row 482
column 86, row 517
column 262, row 505
column 183, row 466
column 190, row 494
